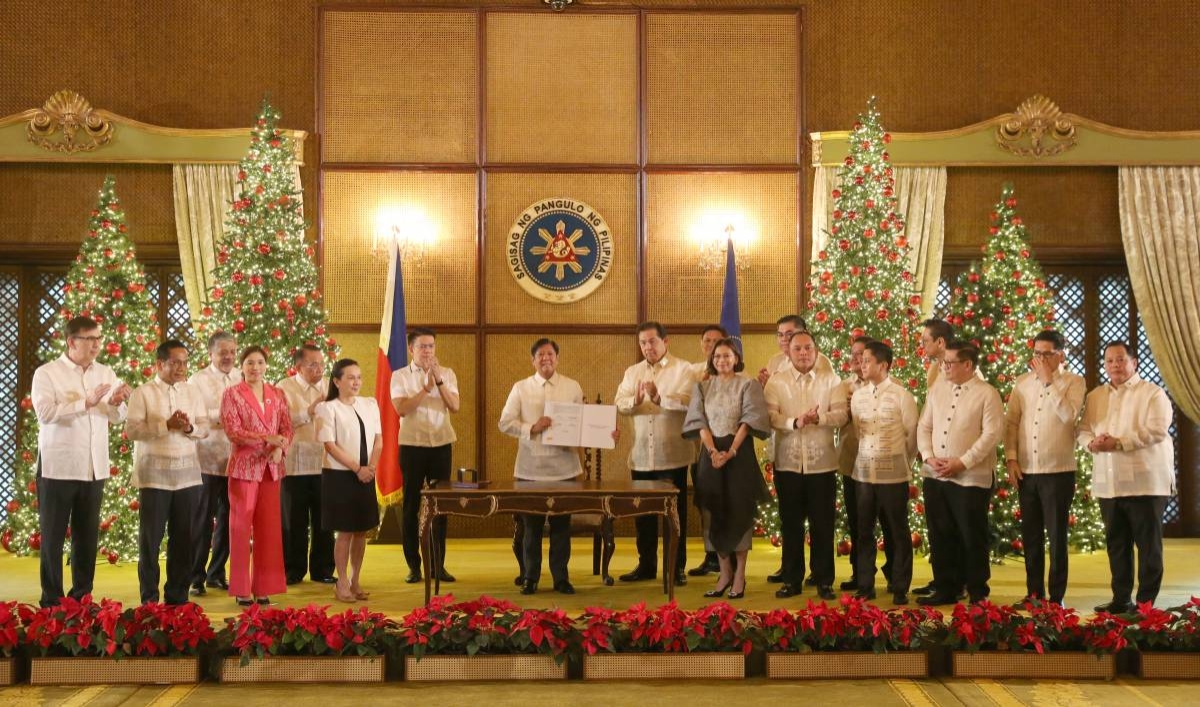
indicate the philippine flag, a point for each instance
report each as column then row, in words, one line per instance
column 393, row 355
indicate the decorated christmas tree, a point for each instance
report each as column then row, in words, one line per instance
column 999, row 304
column 266, row 279
column 106, row 283
column 860, row 283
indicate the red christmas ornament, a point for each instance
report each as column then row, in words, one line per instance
column 1002, row 493
column 113, row 348
column 843, row 548
column 118, row 294
column 917, row 540
column 6, row 539
column 1018, row 545
column 256, row 279
column 35, row 541
column 134, row 505
column 264, row 249
column 986, row 322
column 26, row 403
column 112, row 558
column 300, row 300
column 279, row 275
column 913, row 491
column 973, row 277
column 239, row 326
column 13, row 506
column 217, row 293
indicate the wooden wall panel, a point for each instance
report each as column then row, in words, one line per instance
column 440, row 290
column 614, row 196
column 562, row 88
column 679, row 207
column 721, row 89
column 399, row 86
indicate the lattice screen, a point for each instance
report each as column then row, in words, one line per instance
column 941, row 300
column 177, row 322
column 50, row 300
column 1070, row 317
column 10, row 368
column 1113, row 313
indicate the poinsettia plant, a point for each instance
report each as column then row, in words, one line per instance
column 669, row 629
column 1048, row 627
column 310, row 631
column 486, row 625
column 1160, row 630
column 12, row 626
column 85, row 627
column 850, row 625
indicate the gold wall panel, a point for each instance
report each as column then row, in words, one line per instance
column 439, row 291
column 562, row 88
column 614, row 196
column 1063, row 208
column 676, row 203
column 455, row 351
column 47, row 204
column 722, row 89
column 399, row 86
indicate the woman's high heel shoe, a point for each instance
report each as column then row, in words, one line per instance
column 736, row 595
column 714, row 593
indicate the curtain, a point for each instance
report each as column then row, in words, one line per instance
column 203, row 194
column 921, row 199
column 1160, row 226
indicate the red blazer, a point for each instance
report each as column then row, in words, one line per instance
column 247, row 425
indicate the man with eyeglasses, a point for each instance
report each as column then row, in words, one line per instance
column 166, row 417
column 1039, row 450
column 425, row 395
column 300, row 494
column 961, row 425
column 1126, row 426
column 75, row 399
column 208, row 569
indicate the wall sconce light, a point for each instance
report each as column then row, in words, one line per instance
column 716, row 234
column 558, row 5
column 404, row 228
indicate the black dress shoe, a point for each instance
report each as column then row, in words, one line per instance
column 937, row 599
column 865, row 594
column 198, row 590
column 413, row 578
column 809, row 581
column 788, row 590
column 825, row 591
column 519, row 580
column 680, row 579
column 245, row 601
column 776, row 578
column 562, row 586
column 637, row 575
column 900, row 598
column 291, row 581
column 444, row 576
column 263, row 601
column 1116, row 607
column 849, row 585
column 699, row 570
column 926, row 590
column 217, row 584
column 529, row 587
column 325, row 580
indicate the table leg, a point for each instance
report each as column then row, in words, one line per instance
column 425, row 531
column 674, row 532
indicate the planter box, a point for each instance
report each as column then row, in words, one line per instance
column 8, row 671
column 1050, row 666
column 847, row 665
column 438, row 668
column 1170, row 666
column 304, row 669
column 664, row 666
column 97, row 671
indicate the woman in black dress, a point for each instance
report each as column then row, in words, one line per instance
column 351, row 430
column 725, row 412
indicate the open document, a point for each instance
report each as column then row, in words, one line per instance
column 575, row 425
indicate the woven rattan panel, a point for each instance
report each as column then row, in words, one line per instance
column 722, row 89
column 1063, row 208
column 679, row 206
column 399, row 86
column 454, row 351
column 562, row 88
column 614, row 196
column 439, row 290
column 596, row 362
column 49, row 204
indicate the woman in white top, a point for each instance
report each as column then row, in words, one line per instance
column 351, row 430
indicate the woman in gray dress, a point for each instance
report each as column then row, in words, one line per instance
column 725, row 412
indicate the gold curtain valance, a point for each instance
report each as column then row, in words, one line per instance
column 1037, row 134
column 68, row 129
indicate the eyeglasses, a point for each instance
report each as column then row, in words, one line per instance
column 89, row 339
column 948, row 363
column 1046, row 354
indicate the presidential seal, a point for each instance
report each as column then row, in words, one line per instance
column 559, row 250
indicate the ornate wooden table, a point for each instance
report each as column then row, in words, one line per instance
column 631, row 498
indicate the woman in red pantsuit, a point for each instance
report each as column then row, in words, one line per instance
column 259, row 427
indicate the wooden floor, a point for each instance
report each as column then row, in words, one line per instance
column 486, row 566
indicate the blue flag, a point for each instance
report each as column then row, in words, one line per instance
column 731, row 319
